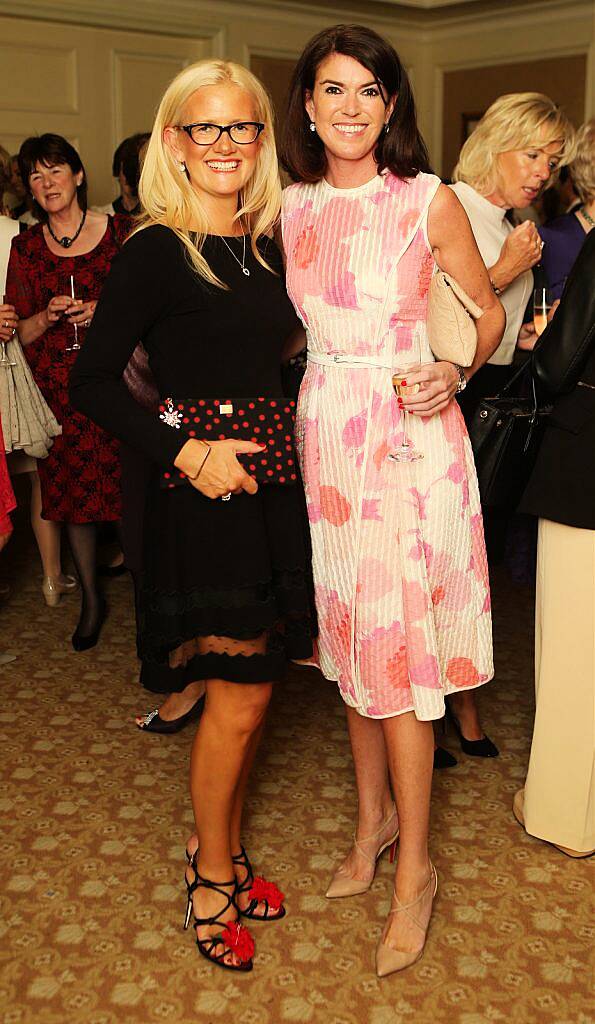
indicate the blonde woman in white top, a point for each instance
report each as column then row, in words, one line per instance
column 512, row 156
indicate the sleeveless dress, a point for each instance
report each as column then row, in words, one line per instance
column 399, row 561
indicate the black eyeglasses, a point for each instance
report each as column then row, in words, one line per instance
column 204, row 134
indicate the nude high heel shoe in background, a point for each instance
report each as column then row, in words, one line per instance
column 389, row 960
column 52, row 588
column 344, row 886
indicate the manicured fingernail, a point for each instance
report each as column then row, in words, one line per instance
column 404, row 383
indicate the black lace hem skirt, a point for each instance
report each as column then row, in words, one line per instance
column 226, row 589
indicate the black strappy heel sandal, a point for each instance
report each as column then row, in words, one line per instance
column 234, row 937
column 259, row 891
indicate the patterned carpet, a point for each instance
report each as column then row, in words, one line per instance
column 96, row 815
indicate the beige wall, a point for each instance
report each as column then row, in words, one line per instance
column 472, row 90
column 508, row 39
column 94, row 86
column 66, row 68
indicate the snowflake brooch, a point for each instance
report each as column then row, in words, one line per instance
column 169, row 415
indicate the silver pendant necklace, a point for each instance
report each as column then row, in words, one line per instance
column 241, row 263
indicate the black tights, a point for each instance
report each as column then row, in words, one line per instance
column 82, row 538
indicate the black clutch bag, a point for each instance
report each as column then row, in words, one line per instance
column 505, row 434
column 266, row 421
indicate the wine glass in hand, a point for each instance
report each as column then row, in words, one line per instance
column 72, row 312
column 406, row 451
column 542, row 304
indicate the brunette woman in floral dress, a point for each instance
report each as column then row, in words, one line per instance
column 70, row 251
column 399, row 561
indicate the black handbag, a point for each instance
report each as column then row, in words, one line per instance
column 505, row 434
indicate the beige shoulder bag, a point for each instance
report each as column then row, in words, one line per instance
column 451, row 320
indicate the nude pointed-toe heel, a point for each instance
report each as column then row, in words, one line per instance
column 389, row 960
column 342, row 886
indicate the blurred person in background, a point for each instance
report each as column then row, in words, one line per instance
column 4, row 181
column 126, row 168
column 515, row 151
column 16, row 199
column 569, row 198
column 557, row 803
column 55, row 273
column 33, row 426
column 564, row 237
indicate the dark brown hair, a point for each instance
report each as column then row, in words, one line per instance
column 127, row 159
column 402, row 149
column 50, row 150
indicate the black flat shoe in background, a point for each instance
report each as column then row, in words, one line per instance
column 443, row 759
column 111, row 571
column 83, row 642
column 474, row 748
column 153, row 722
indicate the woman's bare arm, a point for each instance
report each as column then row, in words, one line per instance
column 456, row 252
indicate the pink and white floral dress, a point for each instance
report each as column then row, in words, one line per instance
column 399, row 559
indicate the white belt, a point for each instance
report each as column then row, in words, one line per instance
column 344, row 360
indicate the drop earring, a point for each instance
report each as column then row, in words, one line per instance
column 182, row 167
column 387, row 128
column 312, row 126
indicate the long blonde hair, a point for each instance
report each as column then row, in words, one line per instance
column 166, row 195
column 583, row 167
column 513, row 121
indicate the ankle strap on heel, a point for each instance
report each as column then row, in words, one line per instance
column 374, row 835
column 406, row 907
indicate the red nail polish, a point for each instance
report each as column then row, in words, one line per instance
column 404, row 383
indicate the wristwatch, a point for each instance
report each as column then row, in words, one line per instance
column 462, row 378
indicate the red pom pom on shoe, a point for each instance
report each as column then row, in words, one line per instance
column 239, row 940
column 263, row 890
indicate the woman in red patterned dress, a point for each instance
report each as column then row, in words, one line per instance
column 55, row 274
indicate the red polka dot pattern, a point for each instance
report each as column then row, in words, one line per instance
column 250, row 419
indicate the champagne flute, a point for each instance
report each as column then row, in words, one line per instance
column 75, row 345
column 5, row 360
column 406, row 451
column 542, row 304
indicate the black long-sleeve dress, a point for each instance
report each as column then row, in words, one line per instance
column 225, row 585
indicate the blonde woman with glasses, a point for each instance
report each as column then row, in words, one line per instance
column 225, row 570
